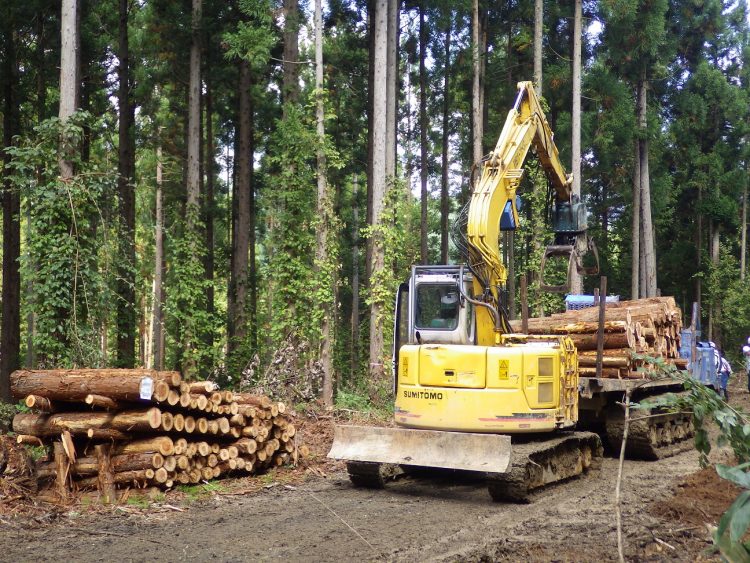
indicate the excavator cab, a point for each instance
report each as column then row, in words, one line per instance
column 571, row 247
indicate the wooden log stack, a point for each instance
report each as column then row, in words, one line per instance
column 648, row 326
column 114, row 428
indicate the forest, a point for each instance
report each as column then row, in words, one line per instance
column 223, row 187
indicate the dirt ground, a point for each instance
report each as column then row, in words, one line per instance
column 312, row 513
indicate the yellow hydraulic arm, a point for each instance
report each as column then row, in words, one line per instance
column 493, row 202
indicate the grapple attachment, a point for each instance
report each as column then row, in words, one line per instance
column 425, row 448
column 574, row 258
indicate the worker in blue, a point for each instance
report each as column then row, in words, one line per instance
column 725, row 370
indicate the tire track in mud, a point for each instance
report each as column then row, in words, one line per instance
column 574, row 520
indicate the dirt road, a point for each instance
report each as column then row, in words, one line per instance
column 326, row 519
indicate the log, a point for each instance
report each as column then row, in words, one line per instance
column 167, row 421
column 76, row 384
column 161, row 475
column 162, row 444
column 139, row 477
column 180, row 446
column 85, row 466
column 612, row 340
column 203, row 387
column 178, row 422
column 107, row 434
column 606, row 372
column 102, row 402
column 40, row 403
column 607, row 361
column 170, row 464
column 80, row 422
column 161, row 391
column 29, row 440
column 189, row 424
column 173, row 398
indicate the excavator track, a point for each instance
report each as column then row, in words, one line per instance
column 540, row 462
column 372, row 475
column 653, row 434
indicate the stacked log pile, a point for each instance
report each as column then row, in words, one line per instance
column 116, row 428
column 648, row 326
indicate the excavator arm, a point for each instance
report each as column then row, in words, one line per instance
column 493, row 205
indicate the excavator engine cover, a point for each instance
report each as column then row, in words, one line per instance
column 425, row 448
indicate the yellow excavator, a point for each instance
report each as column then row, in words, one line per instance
column 470, row 394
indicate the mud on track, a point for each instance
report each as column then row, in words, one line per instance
column 421, row 519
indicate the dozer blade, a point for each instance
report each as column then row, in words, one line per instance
column 425, row 448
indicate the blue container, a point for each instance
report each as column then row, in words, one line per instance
column 575, row 302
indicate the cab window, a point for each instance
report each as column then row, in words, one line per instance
column 437, row 306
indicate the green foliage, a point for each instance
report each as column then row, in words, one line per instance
column 186, row 297
column 71, row 248
column 253, row 39
column 7, row 412
column 398, row 234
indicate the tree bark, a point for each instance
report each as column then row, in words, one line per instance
column 143, row 420
column 648, row 229
column 157, row 312
column 423, row 124
column 476, row 89
column 69, row 75
column 743, row 249
column 243, row 187
column 126, row 314
column 194, row 112
column 635, row 265
column 290, row 79
column 323, row 212
column 76, row 385
column 355, row 277
column 379, row 185
column 10, row 337
column 445, row 163
column 576, row 281
column 538, row 30
column 209, row 204
column 391, row 89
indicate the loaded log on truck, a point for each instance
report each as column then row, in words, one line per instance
column 471, row 392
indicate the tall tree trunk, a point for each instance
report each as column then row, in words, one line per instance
column 379, row 186
column 323, row 211
column 743, row 250
column 576, row 281
column 290, row 80
column 714, row 320
column 126, row 312
column 370, row 121
column 10, row 336
column 355, row 277
column 189, row 336
column 69, row 76
column 423, row 124
column 635, row 264
column 194, row 112
column 157, row 310
column 391, row 89
column 444, row 195
column 477, row 112
column 538, row 30
column 208, row 215
column 649, row 250
column 242, row 189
